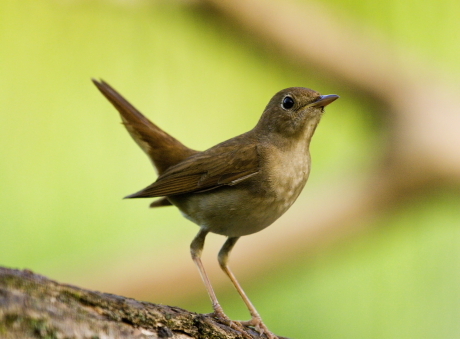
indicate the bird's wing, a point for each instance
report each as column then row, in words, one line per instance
column 221, row 165
column 163, row 150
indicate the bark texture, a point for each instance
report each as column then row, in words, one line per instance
column 33, row 306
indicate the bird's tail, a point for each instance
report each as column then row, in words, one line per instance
column 163, row 150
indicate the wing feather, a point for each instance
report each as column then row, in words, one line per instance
column 221, row 165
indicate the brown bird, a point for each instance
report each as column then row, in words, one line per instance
column 237, row 187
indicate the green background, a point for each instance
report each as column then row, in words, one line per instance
column 66, row 161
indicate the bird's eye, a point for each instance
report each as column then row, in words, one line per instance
column 288, row 102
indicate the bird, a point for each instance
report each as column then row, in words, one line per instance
column 237, row 187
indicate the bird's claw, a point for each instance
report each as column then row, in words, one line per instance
column 260, row 327
column 256, row 322
column 236, row 325
column 221, row 316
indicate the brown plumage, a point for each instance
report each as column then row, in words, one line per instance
column 218, row 166
column 152, row 140
column 237, row 187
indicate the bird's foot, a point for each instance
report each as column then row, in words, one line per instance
column 221, row 316
column 260, row 327
column 236, row 325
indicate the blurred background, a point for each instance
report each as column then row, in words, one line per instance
column 370, row 249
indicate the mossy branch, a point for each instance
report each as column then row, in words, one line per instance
column 33, row 306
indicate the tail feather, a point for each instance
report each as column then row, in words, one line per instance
column 160, row 202
column 163, row 150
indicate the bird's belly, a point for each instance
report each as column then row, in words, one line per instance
column 236, row 211
column 228, row 212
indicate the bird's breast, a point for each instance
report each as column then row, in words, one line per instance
column 253, row 204
column 287, row 173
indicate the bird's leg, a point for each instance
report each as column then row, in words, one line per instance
column 256, row 320
column 196, row 248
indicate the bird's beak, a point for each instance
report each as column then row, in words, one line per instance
column 324, row 100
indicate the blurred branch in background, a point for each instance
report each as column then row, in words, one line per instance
column 423, row 119
column 424, row 105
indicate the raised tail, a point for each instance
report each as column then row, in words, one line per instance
column 163, row 150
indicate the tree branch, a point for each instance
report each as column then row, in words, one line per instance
column 32, row 306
